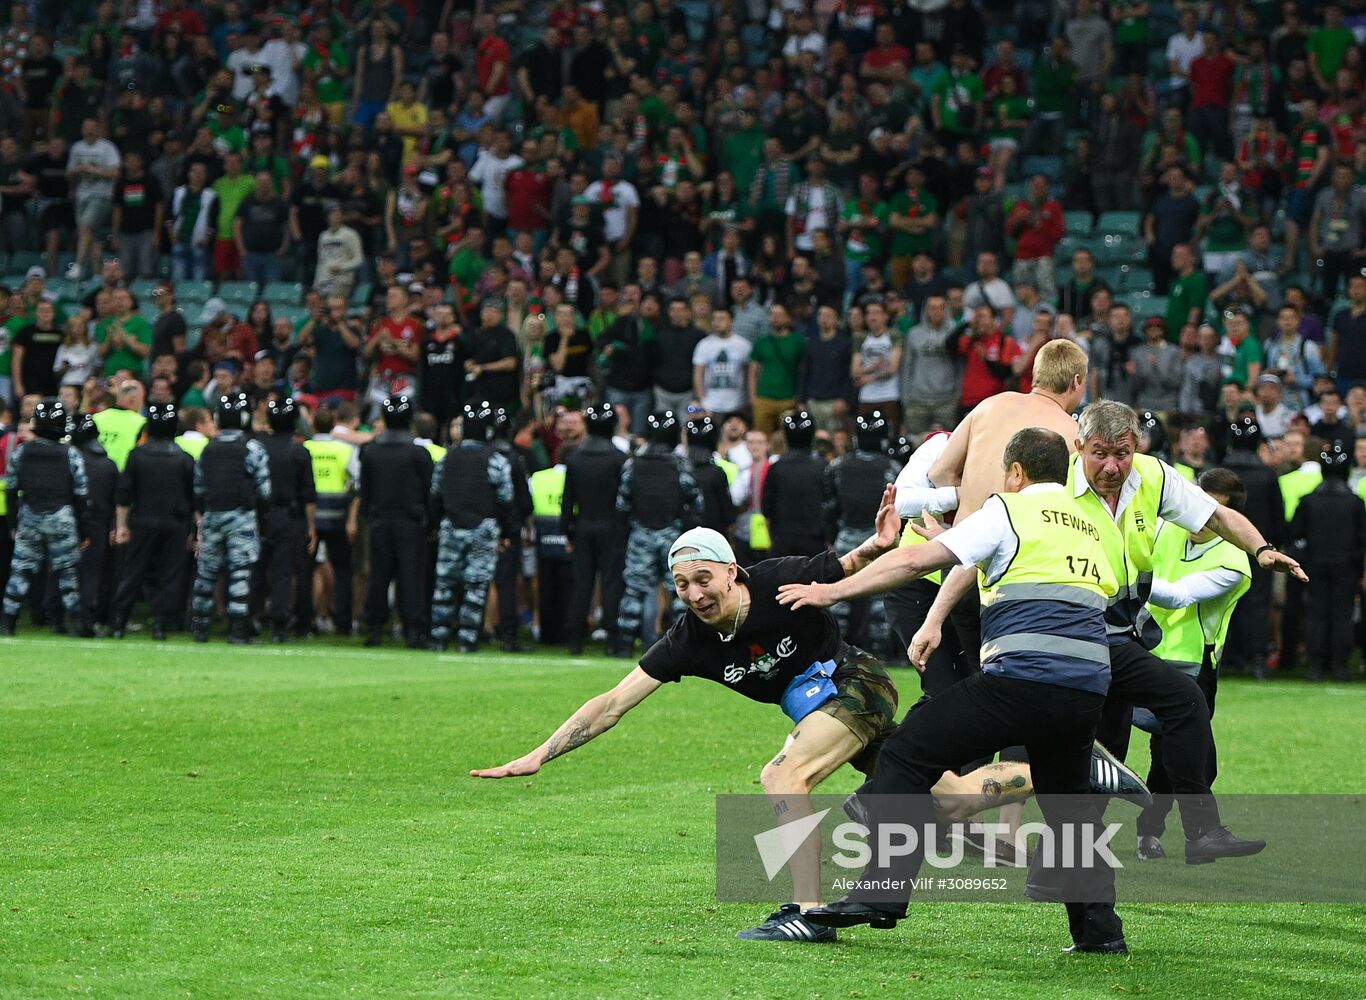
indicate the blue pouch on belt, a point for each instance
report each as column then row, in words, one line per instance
column 809, row 690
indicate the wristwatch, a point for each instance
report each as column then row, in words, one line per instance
column 1268, row 546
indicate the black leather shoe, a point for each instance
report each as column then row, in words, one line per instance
column 200, row 633
column 1150, row 849
column 1219, row 843
column 850, row 913
column 372, row 639
column 1115, row 947
column 7, row 624
column 159, row 630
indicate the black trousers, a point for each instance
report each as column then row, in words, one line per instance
column 957, row 657
column 599, row 555
column 1328, row 638
column 284, row 560
column 555, row 586
column 505, row 576
column 1250, row 629
column 1292, row 623
column 397, row 554
column 975, row 718
column 97, row 575
column 796, row 545
column 338, row 548
column 1152, row 822
column 159, row 545
column 1140, row 679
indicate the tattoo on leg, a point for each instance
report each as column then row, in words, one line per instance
column 1016, row 782
column 780, row 807
column 991, row 789
column 578, row 733
column 779, row 759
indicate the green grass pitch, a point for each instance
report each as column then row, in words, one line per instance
column 212, row 821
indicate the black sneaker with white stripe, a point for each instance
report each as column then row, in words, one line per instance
column 1109, row 776
column 788, row 924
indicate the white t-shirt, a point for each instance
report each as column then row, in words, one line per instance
column 614, row 213
column 723, row 361
column 490, row 173
column 242, row 63
column 282, row 57
column 819, row 215
column 915, row 493
column 1183, row 51
column 100, row 153
column 876, row 350
column 995, row 293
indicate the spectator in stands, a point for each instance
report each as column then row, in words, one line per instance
column 775, row 365
column 1296, row 360
column 1202, row 374
column 1273, row 416
column 1075, row 296
column 1036, row 223
column 988, row 353
column 1347, row 347
column 1170, row 221
column 1336, row 229
column 990, row 288
column 1187, row 290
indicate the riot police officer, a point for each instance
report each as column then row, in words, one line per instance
column 46, row 491
column 472, row 500
column 595, row 531
column 510, row 555
column 1329, row 531
column 657, row 493
column 290, row 531
column 792, row 495
column 395, row 478
column 713, row 479
column 854, row 484
column 900, row 451
column 155, row 500
column 231, row 479
column 97, row 564
column 1250, row 629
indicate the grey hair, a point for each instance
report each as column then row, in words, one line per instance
column 1108, row 420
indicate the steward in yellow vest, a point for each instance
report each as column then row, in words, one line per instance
column 554, row 569
column 336, row 468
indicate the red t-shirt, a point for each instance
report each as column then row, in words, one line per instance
column 527, row 189
column 1211, row 79
column 979, row 381
column 406, row 330
column 491, row 51
column 882, row 58
column 1035, row 240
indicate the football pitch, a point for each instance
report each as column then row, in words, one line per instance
column 298, row 821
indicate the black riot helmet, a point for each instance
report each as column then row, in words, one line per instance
column 799, row 429
column 701, row 432
column 476, row 421
column 662, row 428
column 870, row 431
column 1151, row 432
column 162, row 420
column 901, row 450
column 602, row 420
column 234, row 411
column 501, row 424
column 1245, row 434
column 398, row 412
column 1334, row 461
column 283, row 415
column 50, row 419
column 84, row 430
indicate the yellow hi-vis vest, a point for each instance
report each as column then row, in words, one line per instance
column 435, row 450
column 192, row 446
column 1043, row 619
column 119, row 431
column 1189, row 634
column 1298, row 484
column 909, row 537
column 1128, row 543
column 729, row 468
column 331, row 480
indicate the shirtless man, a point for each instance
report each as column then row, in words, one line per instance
column 972, row 459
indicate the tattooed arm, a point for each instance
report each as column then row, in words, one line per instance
column 595, row 717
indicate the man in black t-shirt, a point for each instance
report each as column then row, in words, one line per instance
column 35, row 348
column 735, row 633
column 138, row 215
column 262, row 232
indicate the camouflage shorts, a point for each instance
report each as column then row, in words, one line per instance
column 865, row 701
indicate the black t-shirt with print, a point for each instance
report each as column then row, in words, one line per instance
column 773, row 645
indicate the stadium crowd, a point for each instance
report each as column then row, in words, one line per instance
column 391, row 211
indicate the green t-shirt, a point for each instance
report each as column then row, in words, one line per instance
column 1225, row 233
column 872, row 242
column 231, row 193
column 1129, row 26
column 193, row 397
column 331, row 89
column 916, row 205
column 1249, row 352
column 467, row 267
column 134, row 326
column 959, row 98
column 234, row 136
column 1014, row 109
column 1053, row 85
column 1330, row 45
column 1186, row 293
column 779, row 360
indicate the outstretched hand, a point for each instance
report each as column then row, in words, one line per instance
column 1279, row 562
column 888, row 520
column 802, row 595
column 522, row 766
column 923, row 644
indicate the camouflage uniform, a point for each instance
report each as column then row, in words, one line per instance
column 50, row 535
column 228, row 539
column 647, row 545
column 470, row 554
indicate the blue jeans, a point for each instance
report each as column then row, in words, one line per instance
column 189, row 262
column 262, row 268
column 637, row 405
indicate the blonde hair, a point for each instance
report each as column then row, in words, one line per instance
column 1058, row 364
column 76, row 325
